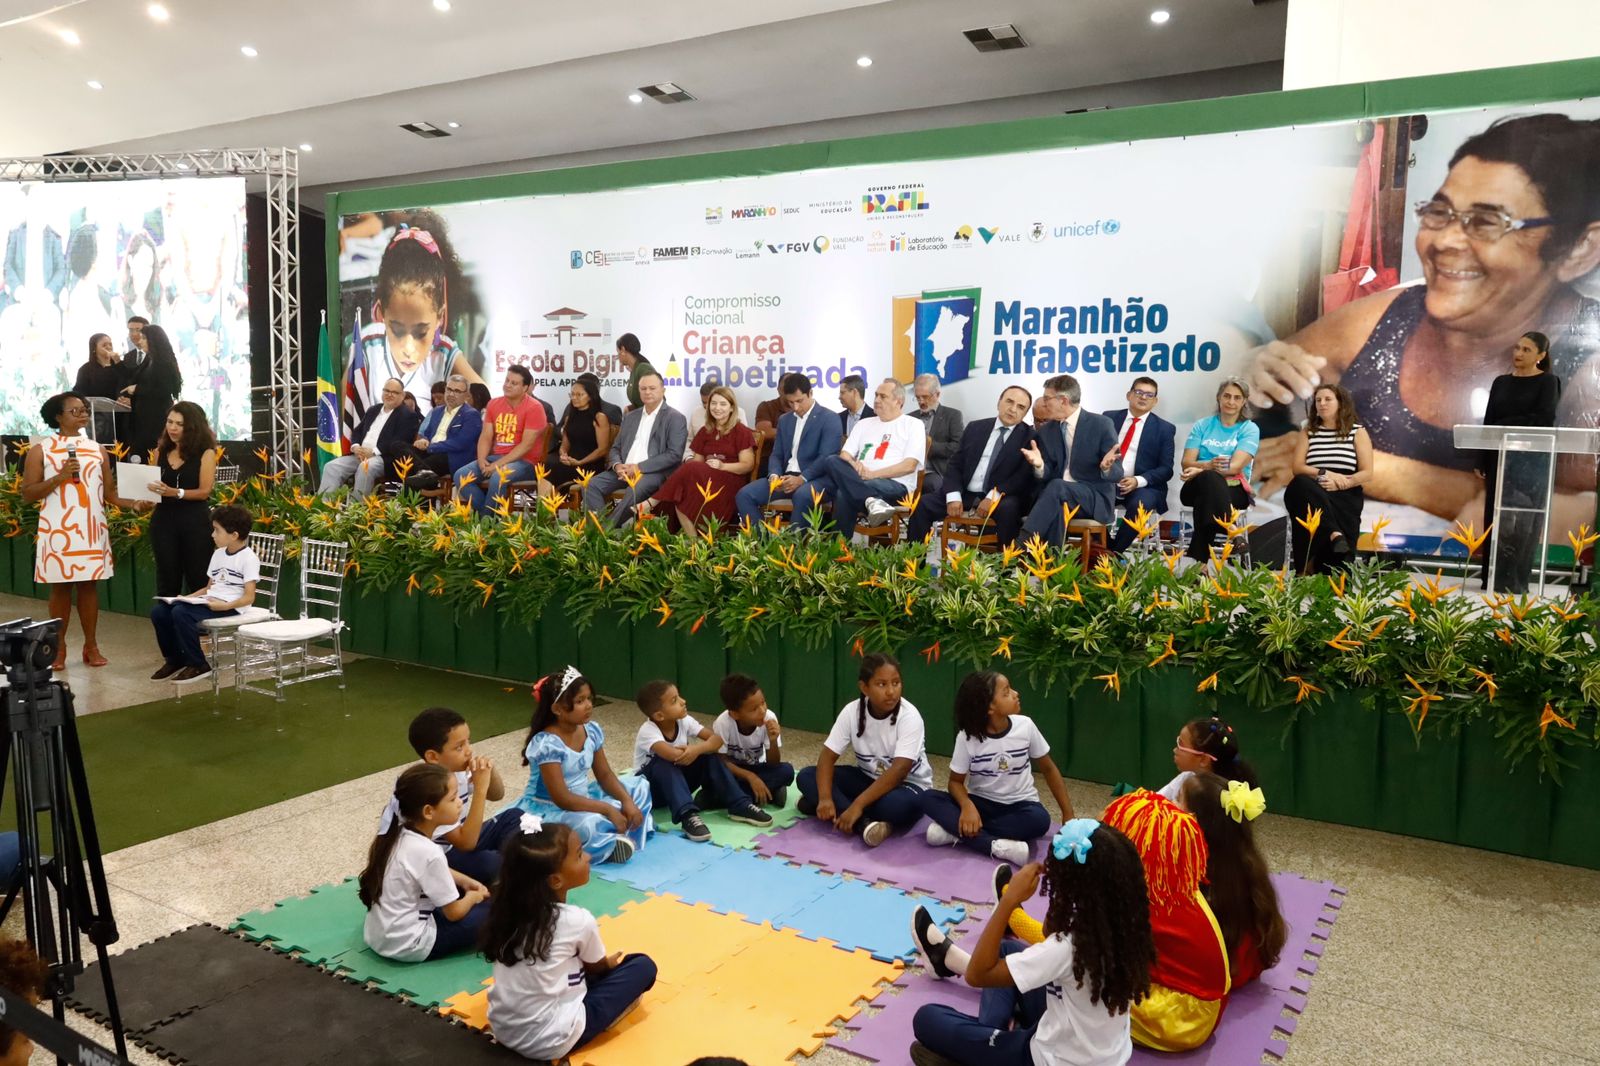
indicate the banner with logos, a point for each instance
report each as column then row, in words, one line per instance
column 1179, row 259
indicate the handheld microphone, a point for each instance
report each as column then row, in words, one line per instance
column 72, row 457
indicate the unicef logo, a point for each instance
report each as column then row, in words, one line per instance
column 1111, row 225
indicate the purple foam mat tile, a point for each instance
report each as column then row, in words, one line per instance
column 905, row 860
column 1303, row 904
column 886, row 1036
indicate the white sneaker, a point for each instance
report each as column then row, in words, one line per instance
column 1013, row 851
column 877, row 507
column 939, row 836
column 876, row 833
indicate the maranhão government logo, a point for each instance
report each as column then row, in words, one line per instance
column 936, row 333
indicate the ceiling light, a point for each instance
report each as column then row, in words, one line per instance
column 158, row 12
column 71, row 37
column 248, row 52
column 1160, row 17
column 305, row 148
column 1000, row 38
column 96, row 85
column 453, row 125
column 441, row 5
column 635, row 98
column 666, row 93
column 423, row 129
column 864, row 61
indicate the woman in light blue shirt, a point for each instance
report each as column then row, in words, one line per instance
column 1216, row 466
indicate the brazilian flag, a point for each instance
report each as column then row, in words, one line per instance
column 328, row 443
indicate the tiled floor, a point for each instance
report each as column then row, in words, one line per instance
column 1442, row 954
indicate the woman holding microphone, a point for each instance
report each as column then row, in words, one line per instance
column 67, row 475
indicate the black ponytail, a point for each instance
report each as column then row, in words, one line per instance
column 522, row 911
column 870, row 665
column 1216, row 738
column 423, row 785
column 546, row 701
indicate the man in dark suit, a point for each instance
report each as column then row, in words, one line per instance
column 1074, row 460
column 647, row 450
column 380, row 425
column 987, row 474
column 447, row 441
column 1145, row 446
column 853, row 398
column 794, row 461
column 135, row 356
column 943, row 422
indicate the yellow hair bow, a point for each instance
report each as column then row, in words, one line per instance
column 1243, row 803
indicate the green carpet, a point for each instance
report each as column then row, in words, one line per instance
column 163, row 767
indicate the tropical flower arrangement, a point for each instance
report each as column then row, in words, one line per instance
column 1434, row 651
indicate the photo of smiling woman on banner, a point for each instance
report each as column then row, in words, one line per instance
column 1507, row 243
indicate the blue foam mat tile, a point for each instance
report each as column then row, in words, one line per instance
column 756, row 888
column 854, row 914
column 666, row 858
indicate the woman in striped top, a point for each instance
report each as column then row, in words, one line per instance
column 1332, row 460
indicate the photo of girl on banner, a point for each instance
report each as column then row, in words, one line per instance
column 1507, row 243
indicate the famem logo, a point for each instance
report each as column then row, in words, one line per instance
column 936, row 333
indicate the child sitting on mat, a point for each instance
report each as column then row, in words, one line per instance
column 1238, row 886
column 611, row 818
column 441, row 735
column 555, row 988
column 752, row 741
column 879, row 794
column 1207, row 744
column 678, row 756
column 1067, row 997
column 993, row 804
column 417, row 907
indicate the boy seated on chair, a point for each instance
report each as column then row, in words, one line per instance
column 232, row 575
column 472, row 845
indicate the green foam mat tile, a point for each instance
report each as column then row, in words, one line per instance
column 602, row 896
column 732, row 834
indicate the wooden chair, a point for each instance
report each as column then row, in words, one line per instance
column 1090, row 537
column 968, row 530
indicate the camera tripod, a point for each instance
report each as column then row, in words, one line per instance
column 61, row 869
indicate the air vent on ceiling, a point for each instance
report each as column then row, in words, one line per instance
column 424, row 129
column 995, row 38
column 665, row 93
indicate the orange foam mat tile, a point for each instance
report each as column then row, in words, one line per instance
column 835, row 980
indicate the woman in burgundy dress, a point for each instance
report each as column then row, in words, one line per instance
column 720, row 459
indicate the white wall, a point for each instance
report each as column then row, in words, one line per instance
column 1338, row 42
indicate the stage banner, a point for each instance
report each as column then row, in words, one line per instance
column 1187, row 260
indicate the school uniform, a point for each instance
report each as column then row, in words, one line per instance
column 673, row 787
column 547, row 1008
column 481, row 863
column 999, row 773
column 878, row 743
column 177, row 624
column 595, row 831
column 406, row 924
column 749, row 752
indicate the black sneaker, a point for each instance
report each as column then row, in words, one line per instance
column 932, row 944
column 166, row 671
column 422, row 482
column 780, row 798
column 694, row 827
column 1002, row 878
column 750, row 814
column 190, row 673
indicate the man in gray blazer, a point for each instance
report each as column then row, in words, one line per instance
column 1075, row 462
column 944, row 423
column 649, row 448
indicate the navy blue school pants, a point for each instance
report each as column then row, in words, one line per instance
column 672, row 787
column 482, row 863
column 1026, row 821
column 900, row 807
column 461, row 935
column 774, row 775
column 609, row 995
column 988, row 1039
column 178, row 631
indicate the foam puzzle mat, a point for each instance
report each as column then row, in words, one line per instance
column 731, row 834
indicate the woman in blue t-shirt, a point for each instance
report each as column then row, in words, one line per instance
column 1216, row 466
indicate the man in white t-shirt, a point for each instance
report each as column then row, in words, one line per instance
column 881, row 458
column 233, row 573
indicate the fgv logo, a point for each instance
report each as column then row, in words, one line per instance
column 894, row 201
column 794, row 246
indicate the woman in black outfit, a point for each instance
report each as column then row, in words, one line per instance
column 1528, row 396
column 585, row 435
column 1332, row 460
column 155, row 387
column 180, row 528
column 103, row 375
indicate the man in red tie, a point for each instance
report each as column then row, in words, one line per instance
column 1146, row 442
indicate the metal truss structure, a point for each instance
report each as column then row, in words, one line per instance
column 278, row 169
